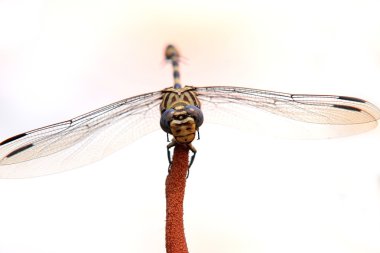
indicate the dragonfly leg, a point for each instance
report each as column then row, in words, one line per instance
column 169, row 167
column 168, row 147
column 192, row 148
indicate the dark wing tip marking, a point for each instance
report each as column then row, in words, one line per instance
column 347, row 107
column 16, row 151
column 353, row 99
column 12, row 138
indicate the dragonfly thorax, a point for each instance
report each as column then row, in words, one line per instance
column 173, row 97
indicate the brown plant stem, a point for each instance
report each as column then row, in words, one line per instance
column 175, row 192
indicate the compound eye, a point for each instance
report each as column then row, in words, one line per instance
column 196, row 113
column 166, row 118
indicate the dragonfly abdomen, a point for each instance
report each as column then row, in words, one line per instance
column 172, row 54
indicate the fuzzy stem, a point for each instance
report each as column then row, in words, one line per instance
column 175, row 192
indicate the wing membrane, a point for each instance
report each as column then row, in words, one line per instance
column 92, row 135
column 339, row 112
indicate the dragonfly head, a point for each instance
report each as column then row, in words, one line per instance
column 182, row 122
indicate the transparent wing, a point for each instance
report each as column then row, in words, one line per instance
column 81, row 140
column 341, row 115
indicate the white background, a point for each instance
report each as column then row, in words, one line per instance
column 246, row 192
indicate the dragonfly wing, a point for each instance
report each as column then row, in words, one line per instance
column 346, row 115
column 81, row 140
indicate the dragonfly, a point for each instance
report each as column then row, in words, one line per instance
column 178, row 110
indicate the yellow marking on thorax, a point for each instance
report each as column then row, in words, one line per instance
column 178, row 97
